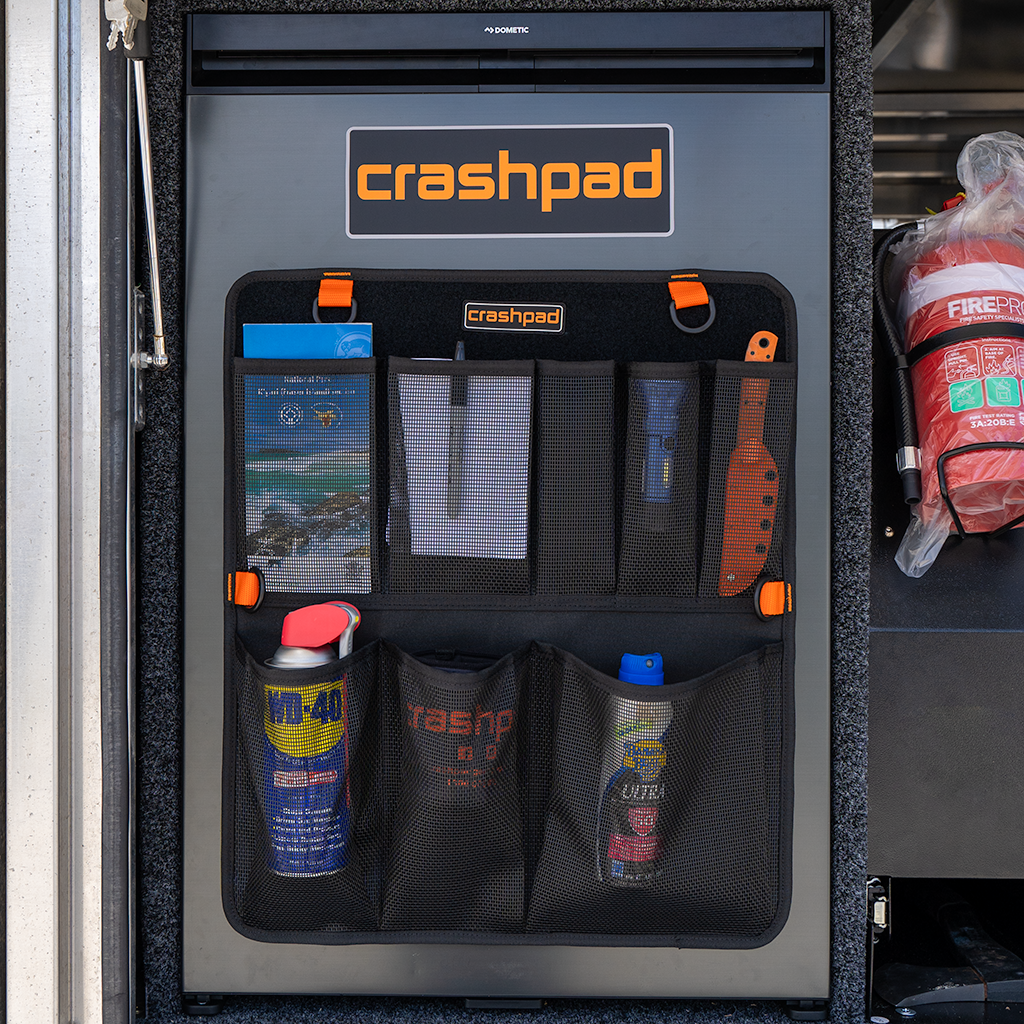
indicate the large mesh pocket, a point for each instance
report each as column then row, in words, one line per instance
column 660, row 484
column 303, row 847
column 304, row 474
column 576, row 478
column 455, row 795
column 459, row 512
column 748, row 474
column 664, row 816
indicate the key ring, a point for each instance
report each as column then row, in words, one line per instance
column 693, row 330
column 316, row 311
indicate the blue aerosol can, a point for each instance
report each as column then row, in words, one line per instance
column 306, row 745
column 632, row 789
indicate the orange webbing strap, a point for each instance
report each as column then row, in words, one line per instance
column 246, row 589
column 688, row 293
column 335, row 291
column 773, row 597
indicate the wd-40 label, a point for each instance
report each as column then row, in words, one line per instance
column 306, row 777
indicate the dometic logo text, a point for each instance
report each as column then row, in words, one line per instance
column 508, row 30
column 500, row 182
column 507, row 316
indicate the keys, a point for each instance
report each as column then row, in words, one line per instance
column 124, row 16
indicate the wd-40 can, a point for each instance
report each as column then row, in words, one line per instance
column 306, row 752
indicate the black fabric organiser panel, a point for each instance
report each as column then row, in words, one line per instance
column 439, row 851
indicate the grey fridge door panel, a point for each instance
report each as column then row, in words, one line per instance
column 266, row 189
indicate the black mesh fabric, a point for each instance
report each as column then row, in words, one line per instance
column 747, row 476
column 455, row 795
column 305, row 475
column 709, row 808
column 497, row 802
column 661, row 481
column 303, row 846
column 576, row 478
column 460, row 440
column 531, row 799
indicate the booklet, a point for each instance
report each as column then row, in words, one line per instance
column 308, row 504
column 307, row 341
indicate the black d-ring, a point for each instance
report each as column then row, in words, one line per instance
column 316, row 311
column 693, row 330
column 940, row 467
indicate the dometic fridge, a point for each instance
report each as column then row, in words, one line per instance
column 589, row 418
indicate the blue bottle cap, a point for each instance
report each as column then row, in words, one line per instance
column 646, row 669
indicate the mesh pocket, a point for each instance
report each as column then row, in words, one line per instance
column 747, row 476
column 575, row 478
column 304, row 474
column 660, row 500
column 455, row 792
column 302, row 852
column 664, row 815
column 460, row 476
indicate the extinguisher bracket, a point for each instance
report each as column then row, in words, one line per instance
column 940, row 469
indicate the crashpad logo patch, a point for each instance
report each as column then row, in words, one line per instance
column 513, row 316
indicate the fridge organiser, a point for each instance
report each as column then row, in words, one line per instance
column 470, row 804
column 629, row 492
column 502, row 477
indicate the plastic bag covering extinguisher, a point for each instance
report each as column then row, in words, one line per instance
column 961, row 308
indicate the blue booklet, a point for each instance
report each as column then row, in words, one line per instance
column 307, row 341
column 308, row 506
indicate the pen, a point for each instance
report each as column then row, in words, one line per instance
column 456, row 434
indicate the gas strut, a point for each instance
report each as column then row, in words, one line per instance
column 128, row 20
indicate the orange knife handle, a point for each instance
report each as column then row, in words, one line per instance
column 761, row 347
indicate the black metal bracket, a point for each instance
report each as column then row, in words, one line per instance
column 944, row 489
column 987, row 971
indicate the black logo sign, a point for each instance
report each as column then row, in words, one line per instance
column 494, row 182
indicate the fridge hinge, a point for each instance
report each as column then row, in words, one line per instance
column 201, row 1004
column 807, row 1009
column 879, row 913
column 878, row 908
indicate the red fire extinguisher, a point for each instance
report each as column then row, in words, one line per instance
column 960, row 310
column 962, row 307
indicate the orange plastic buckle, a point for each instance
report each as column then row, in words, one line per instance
column 246, row 589
column 773, row 597
column 335, row 292
column 688, row 293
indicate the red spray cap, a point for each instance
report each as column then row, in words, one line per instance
column 318, row 624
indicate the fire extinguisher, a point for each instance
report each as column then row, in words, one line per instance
column 950, row 301
column 961, row 306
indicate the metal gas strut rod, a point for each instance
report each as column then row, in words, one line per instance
column 128, row 21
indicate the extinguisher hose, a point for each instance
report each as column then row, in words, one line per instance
column 908, row 449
